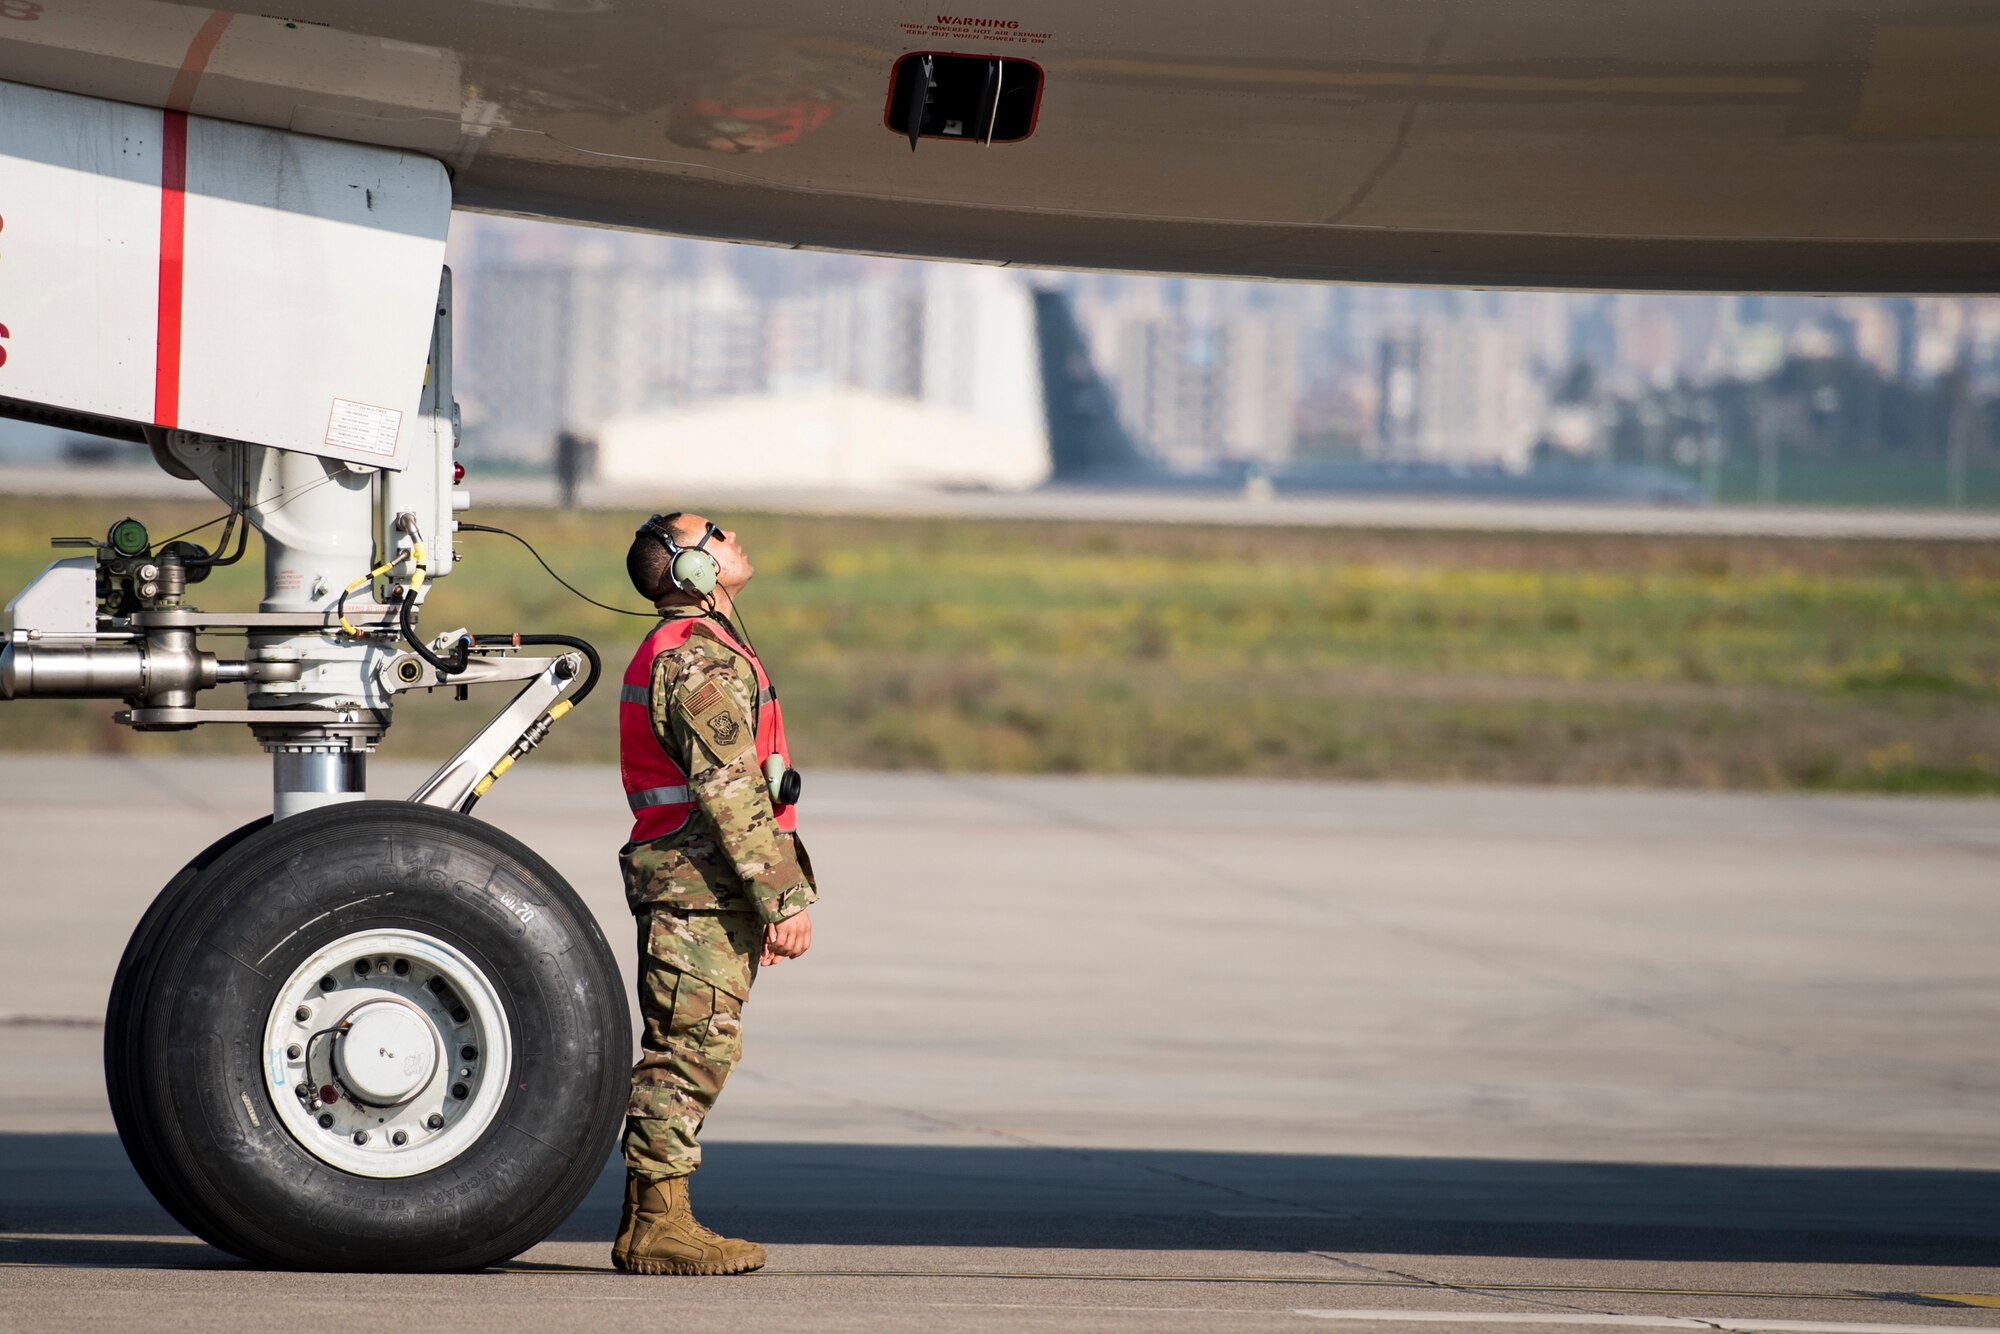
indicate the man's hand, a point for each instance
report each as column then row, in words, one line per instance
column 787, row 939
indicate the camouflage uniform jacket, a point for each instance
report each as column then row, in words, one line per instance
column 730, row 856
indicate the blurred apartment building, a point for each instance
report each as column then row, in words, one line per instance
column 568, row 338
column 1460, row 393
column 1203, row 392
column 925, row 380
column 687, row 360
column 564, row 328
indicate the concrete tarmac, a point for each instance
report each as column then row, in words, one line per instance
column 1413, row 513
column 1152, row 1054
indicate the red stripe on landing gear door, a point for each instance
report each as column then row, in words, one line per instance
column 173, row 240
column 173, row 217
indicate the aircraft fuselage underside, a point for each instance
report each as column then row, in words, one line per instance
column 1789, row 146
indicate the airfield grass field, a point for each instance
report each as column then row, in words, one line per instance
column 1101, row 648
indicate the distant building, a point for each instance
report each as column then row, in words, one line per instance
column 979, row 350
column 866, row 386
column 514, row 383
column 863, row 335
column 1458, row 392
column 1749, row 351
column 570, row 339
column 1256, row 379
column 1202, row 392
column 839, row 439
column 562, row 327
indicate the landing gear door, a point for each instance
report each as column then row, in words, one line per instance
column 225, row 279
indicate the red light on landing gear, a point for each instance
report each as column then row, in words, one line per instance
column 457, row 473
column 328, row 1093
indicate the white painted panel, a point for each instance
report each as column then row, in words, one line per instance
column 79, row 251
column 312, row 271
column 309, row 272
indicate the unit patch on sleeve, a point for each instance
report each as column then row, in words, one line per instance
column 716, row 716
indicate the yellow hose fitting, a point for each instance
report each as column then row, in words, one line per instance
column 355, row 587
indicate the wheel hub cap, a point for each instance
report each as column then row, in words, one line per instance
column 388, row 1053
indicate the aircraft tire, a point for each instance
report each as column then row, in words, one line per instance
column 121, row 1012
column 375, row 1036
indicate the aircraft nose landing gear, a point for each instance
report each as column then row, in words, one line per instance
column 375, row 1036
column 361, row 1035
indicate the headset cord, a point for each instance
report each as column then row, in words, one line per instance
column 732, row 619
column 737, row 626
column 622, row 611
column 741, row 629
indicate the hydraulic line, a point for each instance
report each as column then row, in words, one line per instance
column 445, row 666
column 594, row 665
column 216, row 560
column 340, row 607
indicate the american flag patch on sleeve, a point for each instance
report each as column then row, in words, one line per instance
column 703, row 701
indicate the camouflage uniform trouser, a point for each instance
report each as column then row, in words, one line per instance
column 695, row 970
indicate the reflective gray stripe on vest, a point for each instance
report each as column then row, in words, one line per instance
column 644, row 695
column 659, row 796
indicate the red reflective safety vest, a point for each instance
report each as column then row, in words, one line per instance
column 656, row 785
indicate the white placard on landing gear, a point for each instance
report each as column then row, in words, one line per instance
column 226, row 279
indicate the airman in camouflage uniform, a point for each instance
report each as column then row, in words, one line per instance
column 716, row 899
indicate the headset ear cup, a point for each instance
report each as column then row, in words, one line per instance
column 696, row 572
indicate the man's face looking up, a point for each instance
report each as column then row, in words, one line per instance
column 733, row 566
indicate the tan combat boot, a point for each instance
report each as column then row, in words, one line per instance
column 659, row 1235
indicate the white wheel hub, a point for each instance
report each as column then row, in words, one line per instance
column 387, row 1053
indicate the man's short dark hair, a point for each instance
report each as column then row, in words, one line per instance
column 646, row 562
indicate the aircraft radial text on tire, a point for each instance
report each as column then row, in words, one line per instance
column 375, row 1036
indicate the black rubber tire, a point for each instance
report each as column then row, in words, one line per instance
column 183, row 1043
column 121, row 1015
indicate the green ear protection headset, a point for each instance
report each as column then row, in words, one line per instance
column 690, row 569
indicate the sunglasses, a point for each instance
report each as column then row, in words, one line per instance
column 657, row 527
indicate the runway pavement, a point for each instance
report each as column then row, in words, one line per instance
column 1149, row 1054
column 1114, row 505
